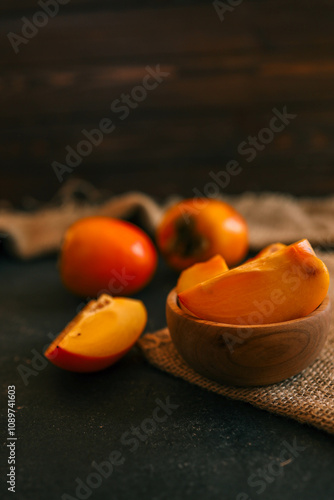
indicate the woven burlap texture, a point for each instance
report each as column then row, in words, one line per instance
column 307, row 397
column 270, row 217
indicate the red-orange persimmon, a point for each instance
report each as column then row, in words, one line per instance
column 103, row 254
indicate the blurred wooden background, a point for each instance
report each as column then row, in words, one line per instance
column 225, row 78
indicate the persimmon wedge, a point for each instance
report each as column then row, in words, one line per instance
column 287, row 284
column 99, row 335
column 272, row 248
column 201, row 272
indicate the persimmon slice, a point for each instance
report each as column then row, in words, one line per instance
column 99, row 335
column 201, row 272
column 287, row 284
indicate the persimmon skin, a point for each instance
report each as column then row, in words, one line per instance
column 82, row 364
column 196, row 229
column 285, row 285
column 103, row 254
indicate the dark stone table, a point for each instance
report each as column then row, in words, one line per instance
column 166, row 438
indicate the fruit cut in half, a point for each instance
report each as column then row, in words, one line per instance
column 99, row 335
column 287, row 284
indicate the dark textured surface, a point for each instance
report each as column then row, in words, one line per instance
column 225, row 79
column 209, row 447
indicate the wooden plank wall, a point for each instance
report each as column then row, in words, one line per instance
column 225, row 77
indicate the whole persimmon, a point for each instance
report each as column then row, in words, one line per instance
column 102, row 254
column 196, row 229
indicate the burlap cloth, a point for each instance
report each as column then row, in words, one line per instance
column 271, row 217
column 307, row 397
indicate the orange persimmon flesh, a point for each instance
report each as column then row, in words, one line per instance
column 201, row 272
column 99, row 335
column 273, row 247
column 284, row 285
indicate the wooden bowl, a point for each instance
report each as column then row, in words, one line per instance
column 247, row 355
